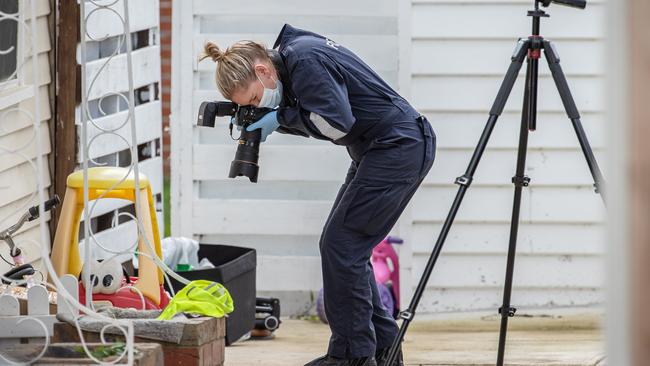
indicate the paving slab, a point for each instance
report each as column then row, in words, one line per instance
column 537, row 339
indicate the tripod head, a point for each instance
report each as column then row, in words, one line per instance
column 579, row 4
column 539, row 13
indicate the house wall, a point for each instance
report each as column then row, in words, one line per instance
column 460, row 51
column 18, row 149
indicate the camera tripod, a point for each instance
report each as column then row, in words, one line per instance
column 530, row 49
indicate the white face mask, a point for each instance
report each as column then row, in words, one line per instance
column 271, row 97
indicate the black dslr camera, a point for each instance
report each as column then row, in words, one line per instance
column 247, row 154
column 580, row 4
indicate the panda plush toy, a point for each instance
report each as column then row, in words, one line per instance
column 106, row 276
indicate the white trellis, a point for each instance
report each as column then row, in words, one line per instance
column 109, row 140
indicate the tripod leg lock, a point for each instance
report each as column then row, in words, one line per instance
column 596, row 187
column 406, row 315
column 522, row 181
column 464, row 180
column 510, row 312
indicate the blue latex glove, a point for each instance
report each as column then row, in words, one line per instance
column 267, row 124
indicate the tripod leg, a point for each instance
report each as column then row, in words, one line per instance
column 464, row 181
column 553, row 60
column 520, row 181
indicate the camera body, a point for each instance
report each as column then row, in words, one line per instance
column 244, row 115
column 579, row 4
column 247, row 154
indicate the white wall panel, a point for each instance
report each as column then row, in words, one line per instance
column 471, row 238
column 146, row 66
column 499, row 19
column 101, row 24
column 18, row 135
column 553, row 271
column 148, row 118
column 462, row 129
column 456, row 70
column 492, row 56
column 471, row 93
column 452, row 300
column 561, row 205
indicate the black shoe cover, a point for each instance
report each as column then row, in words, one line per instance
column 382, row 356
column 332, row 361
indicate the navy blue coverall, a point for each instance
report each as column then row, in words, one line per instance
column 330, row 94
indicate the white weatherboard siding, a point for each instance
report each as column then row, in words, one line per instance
column 449, row 58
column 18, row 180
column 460, row 52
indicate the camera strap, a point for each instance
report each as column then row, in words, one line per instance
column 288, row 98
column 230, row 132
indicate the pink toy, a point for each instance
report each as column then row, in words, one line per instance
column 386, row 267
column 385, row 264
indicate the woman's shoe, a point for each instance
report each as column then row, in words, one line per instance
column 328, row 360
column 382, row 355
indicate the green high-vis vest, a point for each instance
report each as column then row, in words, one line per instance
column 200, row 297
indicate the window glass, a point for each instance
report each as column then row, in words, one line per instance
column 8, row 39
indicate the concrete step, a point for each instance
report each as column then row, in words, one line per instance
column 551, row 338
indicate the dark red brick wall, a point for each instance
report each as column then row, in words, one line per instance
column 166, row 73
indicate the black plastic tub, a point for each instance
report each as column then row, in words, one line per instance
column 235, row 269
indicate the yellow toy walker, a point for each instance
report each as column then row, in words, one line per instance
column 111, row 182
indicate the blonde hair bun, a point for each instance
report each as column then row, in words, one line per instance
column 211, row 50
column 235, row 65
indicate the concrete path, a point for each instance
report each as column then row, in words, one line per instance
column 557, row 340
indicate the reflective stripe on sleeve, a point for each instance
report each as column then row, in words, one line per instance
column 325, row 128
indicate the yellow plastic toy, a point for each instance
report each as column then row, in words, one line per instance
column 110, row 181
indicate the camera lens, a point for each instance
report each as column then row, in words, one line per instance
column 247, row 156
column 240, row 168
column 271, row 323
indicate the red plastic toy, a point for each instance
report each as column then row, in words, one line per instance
column 125, row 297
